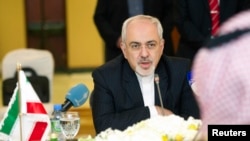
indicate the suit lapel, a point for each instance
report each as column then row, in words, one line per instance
column 206, row 5
column 130, row 85
column 223, row 6
column 162, row 72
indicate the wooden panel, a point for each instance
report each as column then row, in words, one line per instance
column 46, row 28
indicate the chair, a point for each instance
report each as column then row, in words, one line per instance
column 35, row 61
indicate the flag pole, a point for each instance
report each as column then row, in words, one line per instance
column 19, row 67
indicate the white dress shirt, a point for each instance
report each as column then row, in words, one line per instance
column 148, row 92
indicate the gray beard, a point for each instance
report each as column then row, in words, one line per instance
column 143, row 72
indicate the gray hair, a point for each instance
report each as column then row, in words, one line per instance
column 150, row 18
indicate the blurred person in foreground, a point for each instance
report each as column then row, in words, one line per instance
column 125, row 91
column 109, row 16
column 221, row 74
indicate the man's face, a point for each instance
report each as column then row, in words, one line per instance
column 143, row 46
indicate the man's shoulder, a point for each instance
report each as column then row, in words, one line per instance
column 175, row 64
column 113, row 66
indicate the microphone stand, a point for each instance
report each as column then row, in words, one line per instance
column 157, row 81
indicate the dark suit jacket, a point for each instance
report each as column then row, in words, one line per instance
column 194, row 23
column 110, row 14
column 117, row 100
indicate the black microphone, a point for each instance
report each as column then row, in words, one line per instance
column 157, row 81
column 75, row 97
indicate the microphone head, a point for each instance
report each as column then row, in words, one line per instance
column 78, row 95
column 157, row 78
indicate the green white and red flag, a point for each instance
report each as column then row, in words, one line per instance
column 26, row 118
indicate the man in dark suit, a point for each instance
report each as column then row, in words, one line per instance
column 194, row 22
column 125, row 89
column 110, row 14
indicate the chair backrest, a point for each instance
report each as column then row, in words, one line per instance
column 36, row 61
